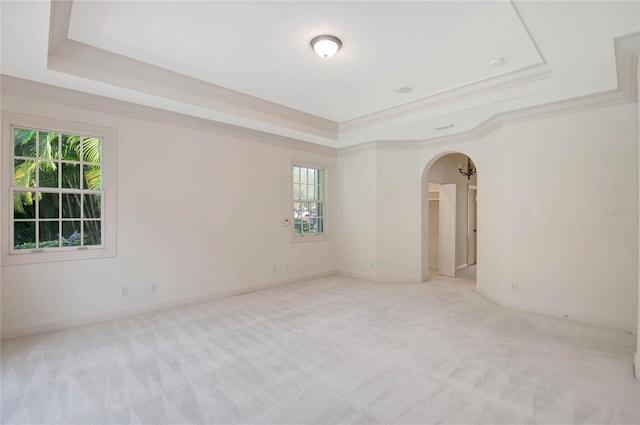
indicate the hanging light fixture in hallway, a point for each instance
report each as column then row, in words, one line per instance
column 470, row 171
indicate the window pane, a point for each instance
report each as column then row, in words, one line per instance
column 49, row 205
column 320, row 209
column 303, row 175
column 48, row 172
column 24, row 142
column 92, row 232
column 319, row 225
column 312, row 176
column 24, row 173
column 92, row 178
column 296, row 191
column 49, row 234
column 320, row 185
column 91, row 149
column 311, row 193
column 92, row 205
column 71, row 205
column 71, row 233
column 296, row 175
column 70, row 175
column 24, row 234
column 70, row 147
column 305, row 226
column 24, row 205
column 311, row 218
column 48, row 145
column 297, row 217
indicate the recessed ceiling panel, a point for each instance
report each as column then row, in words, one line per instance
column 262, row 48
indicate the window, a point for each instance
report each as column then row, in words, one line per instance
column 58, row 205
column 308, row 201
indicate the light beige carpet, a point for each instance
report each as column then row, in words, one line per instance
column 332, row 350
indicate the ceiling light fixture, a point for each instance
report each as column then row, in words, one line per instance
column 326, row 45
column 470, row 171
column 495, row 62
column 443, row 126
column 404, row 90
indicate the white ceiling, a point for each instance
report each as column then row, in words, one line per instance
column 250, row 63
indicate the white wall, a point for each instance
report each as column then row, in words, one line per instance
column 198, row 213
column 549, row 192
column 356, row 193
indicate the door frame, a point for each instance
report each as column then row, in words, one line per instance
column 472, row 188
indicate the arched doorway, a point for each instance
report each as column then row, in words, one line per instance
column 449, row 217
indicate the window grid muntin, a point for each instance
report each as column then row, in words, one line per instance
column 306, row 181
column 37, row 189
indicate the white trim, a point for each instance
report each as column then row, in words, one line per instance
column 109, row 189
column 47, row 93
column 506, row 81
column 462, row 266
column 636, row 365
column 222, row 104
column 602, row 321
column 375, row 278
column 65, row 324
column 12, row 86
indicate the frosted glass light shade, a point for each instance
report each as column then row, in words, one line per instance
column 326, row 45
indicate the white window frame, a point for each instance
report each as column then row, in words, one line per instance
column 310, row 237
column 11, row 256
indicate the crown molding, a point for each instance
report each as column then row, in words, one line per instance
column 494, row 123
column 244, row 112
column 12, row 86
column 357, row 149
column 627, row 50
column 455, row 95
column 72, row 57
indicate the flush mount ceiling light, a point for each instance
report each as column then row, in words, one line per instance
column 495, row 62
column 326, row 45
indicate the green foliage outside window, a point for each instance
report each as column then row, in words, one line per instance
column 57, row 190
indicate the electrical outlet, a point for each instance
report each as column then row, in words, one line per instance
column 124, row 291
column 154, row 288
column 514, row 285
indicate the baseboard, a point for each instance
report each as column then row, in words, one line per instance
column 399, row 279
column 72, row 323
column 610, row 323
column 361, row 276
column 462, row 266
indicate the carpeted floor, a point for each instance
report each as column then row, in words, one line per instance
column 331, row 350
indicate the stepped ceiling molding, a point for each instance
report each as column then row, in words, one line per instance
column 249, row 64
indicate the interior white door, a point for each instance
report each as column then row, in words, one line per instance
column 472, row 242
column 447, row 239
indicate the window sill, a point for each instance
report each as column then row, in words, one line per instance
column 309, row 238
column 49, row 257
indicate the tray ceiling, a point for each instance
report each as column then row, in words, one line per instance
column 250, row 64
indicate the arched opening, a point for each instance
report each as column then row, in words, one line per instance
column 449, row 217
